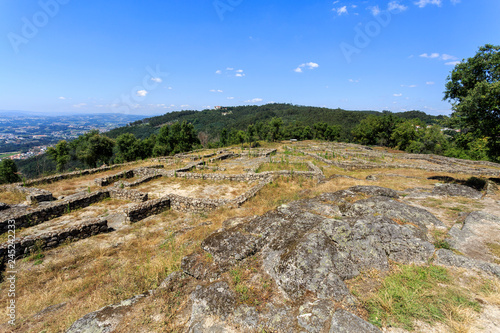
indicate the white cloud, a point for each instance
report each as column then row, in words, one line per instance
column 341, row 10
column 218, row 71
column 423, row 3
column 239, row 75
column 430, row 56
column 184, row 105
column 80, row 105
column 169, row 88
column 216, row 90
column 156, row 79
column 239, row 71
column 410, row 86
column 310, row 65
column 429, row 83
column 375, row 10
column 229, row 69
column 446, row 57
column 230, row 98
column 353, row 81
column 141, row 93
column 255, row 100
column 452, row 63
column 396, row 6
column 63, row 98
column 397, row 95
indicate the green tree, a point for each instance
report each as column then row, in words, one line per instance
column 275, row 127
column 407, row 132
column 8, row 172
column 473, row 88
column 129, row 148
column 60, row 154
column 92, row 147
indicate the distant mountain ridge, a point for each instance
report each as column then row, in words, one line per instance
column 212, row 121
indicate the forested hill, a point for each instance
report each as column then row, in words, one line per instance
column 239, row 117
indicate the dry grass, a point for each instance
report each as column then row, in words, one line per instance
column 109, row 268
column 12, row 197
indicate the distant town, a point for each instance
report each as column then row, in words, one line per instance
column 25, row 136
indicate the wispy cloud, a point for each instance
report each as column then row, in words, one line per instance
column 80, row 105
column 141, row 93
column 396, row 6
column 397, row 95
column 430, row 56
column 63, row 98
column 230, row 98
column 423, row 3
column 353, row 81
column 218, row 71
column 255, row 100
column 409, row 86
column 240, row 75
column 309, row 65
column 452, row 63
column 156, row 79
column 216, row 90
column 375, row 10
column 341, row 10
column 429, row 83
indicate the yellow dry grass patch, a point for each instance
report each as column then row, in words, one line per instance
column 12, row 197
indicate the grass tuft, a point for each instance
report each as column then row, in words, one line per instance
column 417, row 293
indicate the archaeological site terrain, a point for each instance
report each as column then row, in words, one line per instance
column 305, row 236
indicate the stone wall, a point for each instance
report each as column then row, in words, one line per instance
column 28, row 244
column 138, row 172
column 33, row 195
column 186, row 204
column 148, row 208
column 128, row 194
column 105, row 181
column 74, row 174
column 258, row 152
column 33, row 216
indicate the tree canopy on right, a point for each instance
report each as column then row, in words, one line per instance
column 473, row 87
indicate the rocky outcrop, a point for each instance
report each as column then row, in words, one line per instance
column 309, row 255
column 106, row 319
column 471, row 237
column 455, row 190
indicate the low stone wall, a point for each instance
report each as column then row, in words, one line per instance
column 31, row 217
column 74, row 174
column 26, row 245
column 139, row 181
column 223, row 157
column 189, row 167
column 186, row 204
column 128, row 194
column 258, row 153
column 33, row 195
column 105, row 181
column 148, row 208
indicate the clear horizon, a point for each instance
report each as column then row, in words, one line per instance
column 63, row 56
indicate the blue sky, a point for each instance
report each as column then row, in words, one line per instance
column 153, row 57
